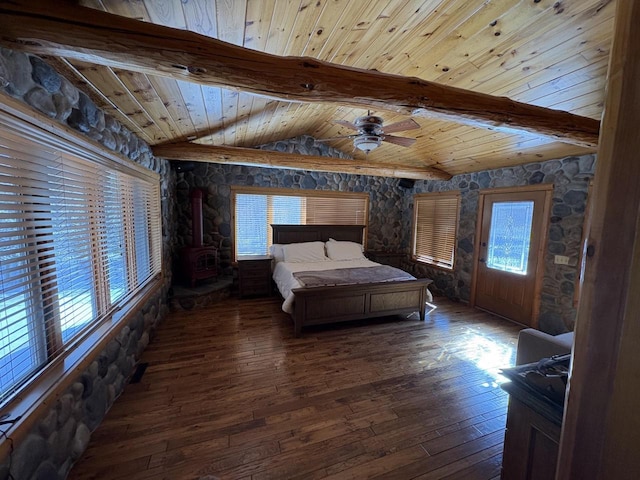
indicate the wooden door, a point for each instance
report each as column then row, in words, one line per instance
column 509, row 256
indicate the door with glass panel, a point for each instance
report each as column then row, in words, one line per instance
column 509, row 261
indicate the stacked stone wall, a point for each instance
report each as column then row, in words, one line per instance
column 62, row 433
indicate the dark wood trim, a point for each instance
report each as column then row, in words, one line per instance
column 317, row 233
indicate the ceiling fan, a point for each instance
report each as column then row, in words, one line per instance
column 371, row 132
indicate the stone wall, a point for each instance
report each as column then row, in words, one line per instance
column 385, row 207
column 61, row 435
column 570, row 178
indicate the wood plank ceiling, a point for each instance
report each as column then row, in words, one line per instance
column 542, row 52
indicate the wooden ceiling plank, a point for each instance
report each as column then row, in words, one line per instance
column 281, row 25
column 257, row 24
column 125, row 8
column 246, row 156
column 515, row 77
column 402, row 21
column 334, row 43
column 266, row 134
column 305, row 26
column 496, row 34
column 572, row 16
column 584, row 93
column 591, row 98
column 71, row 73
column 353, row 33
column 246, row 105
column 169, row 92
column 193, row 100
column 113, row 89
column 568, row 80
column 166, row 13
column 453, row 24
column 451, row 56
column 285, row 76
column 201, row 17
column 593, row 110
column 493, row 69
column 326, row 27
column 217, row 122
column 146, row 95
column 459, row 166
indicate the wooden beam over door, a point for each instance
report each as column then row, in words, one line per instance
column 187, row 151
column 102, row 38
column 601, row 431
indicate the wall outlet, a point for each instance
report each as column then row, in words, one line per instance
column 561, row 260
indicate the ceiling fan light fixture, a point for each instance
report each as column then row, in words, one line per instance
column 366, row 143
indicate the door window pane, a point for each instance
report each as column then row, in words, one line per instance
column 510, row 236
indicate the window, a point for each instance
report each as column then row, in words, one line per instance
column 510, row 236
column 255, row 209
column 80, row 233
column 435, row 221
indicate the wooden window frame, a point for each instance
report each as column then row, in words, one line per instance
column 275, row 191
column 35, row 396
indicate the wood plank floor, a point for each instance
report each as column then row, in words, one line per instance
column 229, row 393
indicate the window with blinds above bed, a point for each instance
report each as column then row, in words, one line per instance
column 435, row 222
column 255, row 209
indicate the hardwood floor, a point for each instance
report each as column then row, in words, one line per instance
column 229, row 393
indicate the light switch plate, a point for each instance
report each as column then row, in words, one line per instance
column 561, row 260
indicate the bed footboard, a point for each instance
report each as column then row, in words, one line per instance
column 319, row 305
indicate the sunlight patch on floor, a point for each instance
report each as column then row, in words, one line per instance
column 487, row 354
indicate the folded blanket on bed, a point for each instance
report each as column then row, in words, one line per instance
column 351, row 276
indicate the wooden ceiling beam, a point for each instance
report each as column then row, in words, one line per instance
column 186, row 151
column 102, row 38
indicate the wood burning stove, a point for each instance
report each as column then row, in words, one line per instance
column 199, row 261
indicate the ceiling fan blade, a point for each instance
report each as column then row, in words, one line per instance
column 344, row 123
column 402, row 141
column 408, row 124
column 335, row 138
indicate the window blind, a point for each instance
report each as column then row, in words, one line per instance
column 255, row 210
column 78, row 236
column 434, row 228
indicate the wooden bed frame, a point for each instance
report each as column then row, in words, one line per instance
column 320, row 305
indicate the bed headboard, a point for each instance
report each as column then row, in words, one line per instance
column 313, row 233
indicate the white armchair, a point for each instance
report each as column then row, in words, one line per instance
column 534, row 345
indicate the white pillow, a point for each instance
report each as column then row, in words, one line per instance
column 344, row 250
column 276, row 252
column 304, row 252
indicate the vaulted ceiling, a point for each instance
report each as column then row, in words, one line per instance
column 546, row 53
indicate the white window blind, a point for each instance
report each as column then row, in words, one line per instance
column 255, row 210
column 79, row 234
column 435, row 224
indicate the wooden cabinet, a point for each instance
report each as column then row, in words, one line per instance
column 254, row 275
column 532, row 437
